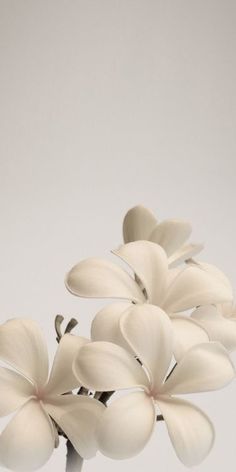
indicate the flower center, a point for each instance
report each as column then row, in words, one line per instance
column 39, row 393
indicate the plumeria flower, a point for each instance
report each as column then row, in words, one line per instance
column 173, row 290
column 128, row 422
column 219, row 321
column 141, row 224
column 30, row 437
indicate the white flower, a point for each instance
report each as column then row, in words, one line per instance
column 219, row 321
column 29, row 439
column 174, row 290
column 141, row 224
column 128, row 422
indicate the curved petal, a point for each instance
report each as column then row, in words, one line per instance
column 138, row 224
column 98, row 278
column 214, row 271
column 148, row 260
column 62, row 378
column 194, row 287
column 187, row 333
column 184, row 253
column 148, row 331
column 204, row 367
column 171, row 234
column 190, row 430
column 28, row 441
column 15, row 390
column 218, row 328
column 106, row 324
column 77, row 416
column 126, row 426
column 105, row 366
column 23, row 347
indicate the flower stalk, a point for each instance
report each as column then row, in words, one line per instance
column 74, row 461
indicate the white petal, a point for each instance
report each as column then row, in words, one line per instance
column 23, row 347
column 126, row 426
column 106, row 324
column 187, row 333
column 148, row 331
column 98, row 278
column 148, row 260
column 228, row 310
column 77, row 416
column 171, row 234
column 184, row 253
column 28, row 441
column 214, row 271
column 190, row 430
column 138, row 224
column 62, row 378
column 193, row 287
column 15, row 390
column 218, row 328
column 203, row 368
column 104, row 366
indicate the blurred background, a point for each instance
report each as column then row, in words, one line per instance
column 105, row 104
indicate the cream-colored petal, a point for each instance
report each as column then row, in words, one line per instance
column 190, row 430
column 138, row 224
column 126, row 426
column 148, row 331
column 184, row 253
column 99, row 278
column 217, row 326
column 62, row 378
column 187, row 333
column 194, row 287
column 23, row 347
column 77, row 416
column 27, row 442
column 106, row 324
column 214, row 272
column 104, row 366
column 203, row 368
column 15, row 390
column 148, row 260
column 171, row 234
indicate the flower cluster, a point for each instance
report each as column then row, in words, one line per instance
column 169, row 333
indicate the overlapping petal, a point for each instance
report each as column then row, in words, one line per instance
column 23, row 347
column 194, row 287
column 15, row 390
column 99, row 278
column 148, row 331
column 62, row 378
column 148, row 260
column 138, row 224
column 171, row 234
column 104, row 366
column 190, row 430
column 205, row 367
column 126, row 426
column 77, row 416
column 217, row 326
column 106, row 324
column 184, row 253
column 28, row 441
column 187, row 333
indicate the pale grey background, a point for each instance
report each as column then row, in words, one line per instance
column 105, row 104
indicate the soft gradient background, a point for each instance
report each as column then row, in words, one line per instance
column 105, row 104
